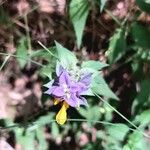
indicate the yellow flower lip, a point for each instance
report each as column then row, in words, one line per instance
column 61, row 117
column 56, row 101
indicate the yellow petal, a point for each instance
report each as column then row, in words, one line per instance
column 56, row 101
column 61, row 117
column 66, row 105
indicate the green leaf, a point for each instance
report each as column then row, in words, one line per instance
column 96, row 65
column 136, row 141
column 143, row 118
column 102, row 4
column 90, row 113
column 143, row 98
column 141, row 35
column 55, row 130
column 47, row 71
column 42, row 144
column 99, row 86
column 147, row 1
column 118, row 131
column 117, row 46
column 25, row 139
column 46, row 119
column 22, row 53
column 79, row 10
column 144, row 5
column 42, row 53
column 66, row 57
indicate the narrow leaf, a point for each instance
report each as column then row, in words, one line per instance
column 79, row 10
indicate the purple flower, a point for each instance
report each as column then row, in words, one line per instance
column 69, row 90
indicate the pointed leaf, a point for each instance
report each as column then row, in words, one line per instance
column 66, row 57
column 99, row 86
column 79, row 10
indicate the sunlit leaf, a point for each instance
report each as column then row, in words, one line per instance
column 118, row 131
column 79, row 10
column 96, row 65
column 102, row 4
column 100, row 87
column 67, row 58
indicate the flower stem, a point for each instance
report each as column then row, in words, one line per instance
column 122, row 116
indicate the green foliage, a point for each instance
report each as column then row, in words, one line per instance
column 79, row 10
column 102, row 4
column 66, row 58
column 143, row 118
column 118, row 132
column 25, row 138
column 136, row 141
column 138, row 32
column 22, row 54
column 142, row 100
column 117, row 46
column 91, row 113
column 95, row 65
column 144, row 5
column 131, row 41
column 100, row 87
column 43, row 145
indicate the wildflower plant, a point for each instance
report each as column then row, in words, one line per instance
column 73, row 82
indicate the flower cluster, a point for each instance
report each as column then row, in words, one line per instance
column 69, row 91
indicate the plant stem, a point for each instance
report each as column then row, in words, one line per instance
column 27, row 33
column 122, row 116
column 28, row 59
column 47, row 50
column 5, row 61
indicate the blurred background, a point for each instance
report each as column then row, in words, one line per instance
column 110, row 31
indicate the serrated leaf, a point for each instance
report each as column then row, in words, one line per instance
column 118, row 131
column 96, row 65
column 67, row 58
column 100, row 87
column 22, row 53
column 117, row 46
column 79, row 10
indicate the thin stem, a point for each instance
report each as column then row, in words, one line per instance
column 5, row 61
column 113, row 17
column 28, row 124
column 47, row 50
column 28, row 59
column 122, row 116
column 27, row 33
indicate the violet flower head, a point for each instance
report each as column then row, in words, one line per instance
column 68, row 90
column 65, row 88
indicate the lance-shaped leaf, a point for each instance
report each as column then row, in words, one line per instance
column 79, row 10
